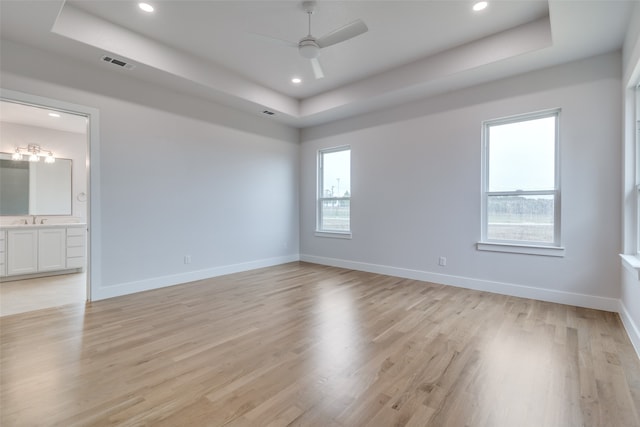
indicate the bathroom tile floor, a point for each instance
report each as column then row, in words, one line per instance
column 20, row 296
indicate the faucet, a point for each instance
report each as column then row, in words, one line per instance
column 26, row 221
column 34, row 219
column 43, row 220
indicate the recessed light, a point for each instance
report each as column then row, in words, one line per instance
column 296, row 80
column 146, row 7
column 54, row 114
column 481, row 5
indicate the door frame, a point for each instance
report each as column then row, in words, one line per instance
column 93, row 174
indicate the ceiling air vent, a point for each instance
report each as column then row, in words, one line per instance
column 269, row 113
column 118, row 62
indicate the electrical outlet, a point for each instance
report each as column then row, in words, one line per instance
column 187, row 259
column 442, row 261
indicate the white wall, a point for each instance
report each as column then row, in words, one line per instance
column 65, row 145
column 416, row 187
column 179, row 176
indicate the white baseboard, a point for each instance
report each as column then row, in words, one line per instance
column 630, row 326
column 105, row 292
column 550, row 295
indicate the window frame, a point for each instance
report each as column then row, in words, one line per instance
column 320, row 198
column 636, row 121
column 521, row 246
column 632, row 261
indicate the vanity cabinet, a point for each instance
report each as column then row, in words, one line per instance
column 22, row 251
column 3, row 253
column 41, row 249
column 51, row 249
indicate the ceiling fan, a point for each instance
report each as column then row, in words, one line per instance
column 309, row 46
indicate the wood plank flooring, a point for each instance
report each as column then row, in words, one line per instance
column 20, row 296
column 308, row 345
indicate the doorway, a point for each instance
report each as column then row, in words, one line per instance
column 69, row 285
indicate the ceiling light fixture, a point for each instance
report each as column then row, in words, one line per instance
column 34, row 151
column 296, row 80
column 481, row 5
column 146, row 7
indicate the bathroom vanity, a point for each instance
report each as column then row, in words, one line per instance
column 39, row 233
column 42, row 249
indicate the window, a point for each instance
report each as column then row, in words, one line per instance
column 521, row 194
column 334, row 191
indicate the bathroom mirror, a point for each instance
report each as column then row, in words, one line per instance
column 34, row 188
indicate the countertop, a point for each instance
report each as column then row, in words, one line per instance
column 45, row 225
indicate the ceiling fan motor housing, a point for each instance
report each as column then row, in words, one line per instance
column 308, row 48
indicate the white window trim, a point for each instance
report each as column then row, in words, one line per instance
column 631, row 263
column 334, row 234
column 631, row 257
column 516, row 248
column 637, row 166
column 319, row 232
column 521, row 247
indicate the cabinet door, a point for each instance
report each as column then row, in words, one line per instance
column 3, row 253
column 52, row 245
column 22, row 252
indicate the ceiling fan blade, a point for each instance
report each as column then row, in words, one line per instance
column 276, row 40
column 347, row 32
column 317, row 68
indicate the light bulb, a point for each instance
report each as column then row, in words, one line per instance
column 49, row 158
column 16, row 156
column 481, row 5
column 146, row 7
column 34, row 158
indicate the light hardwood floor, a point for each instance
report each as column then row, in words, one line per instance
column 20, row 296
column 302, row 344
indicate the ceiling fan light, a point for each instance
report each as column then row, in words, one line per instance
column 308, row 49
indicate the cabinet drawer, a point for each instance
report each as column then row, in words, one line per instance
column 76, row 231
column 75, row 262
column 75, row 241
column 75, row 252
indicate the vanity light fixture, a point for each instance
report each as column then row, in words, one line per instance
column 34, row 151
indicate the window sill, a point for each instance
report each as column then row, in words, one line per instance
column 334, row 234
column 631, row 263
column 555, row 251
